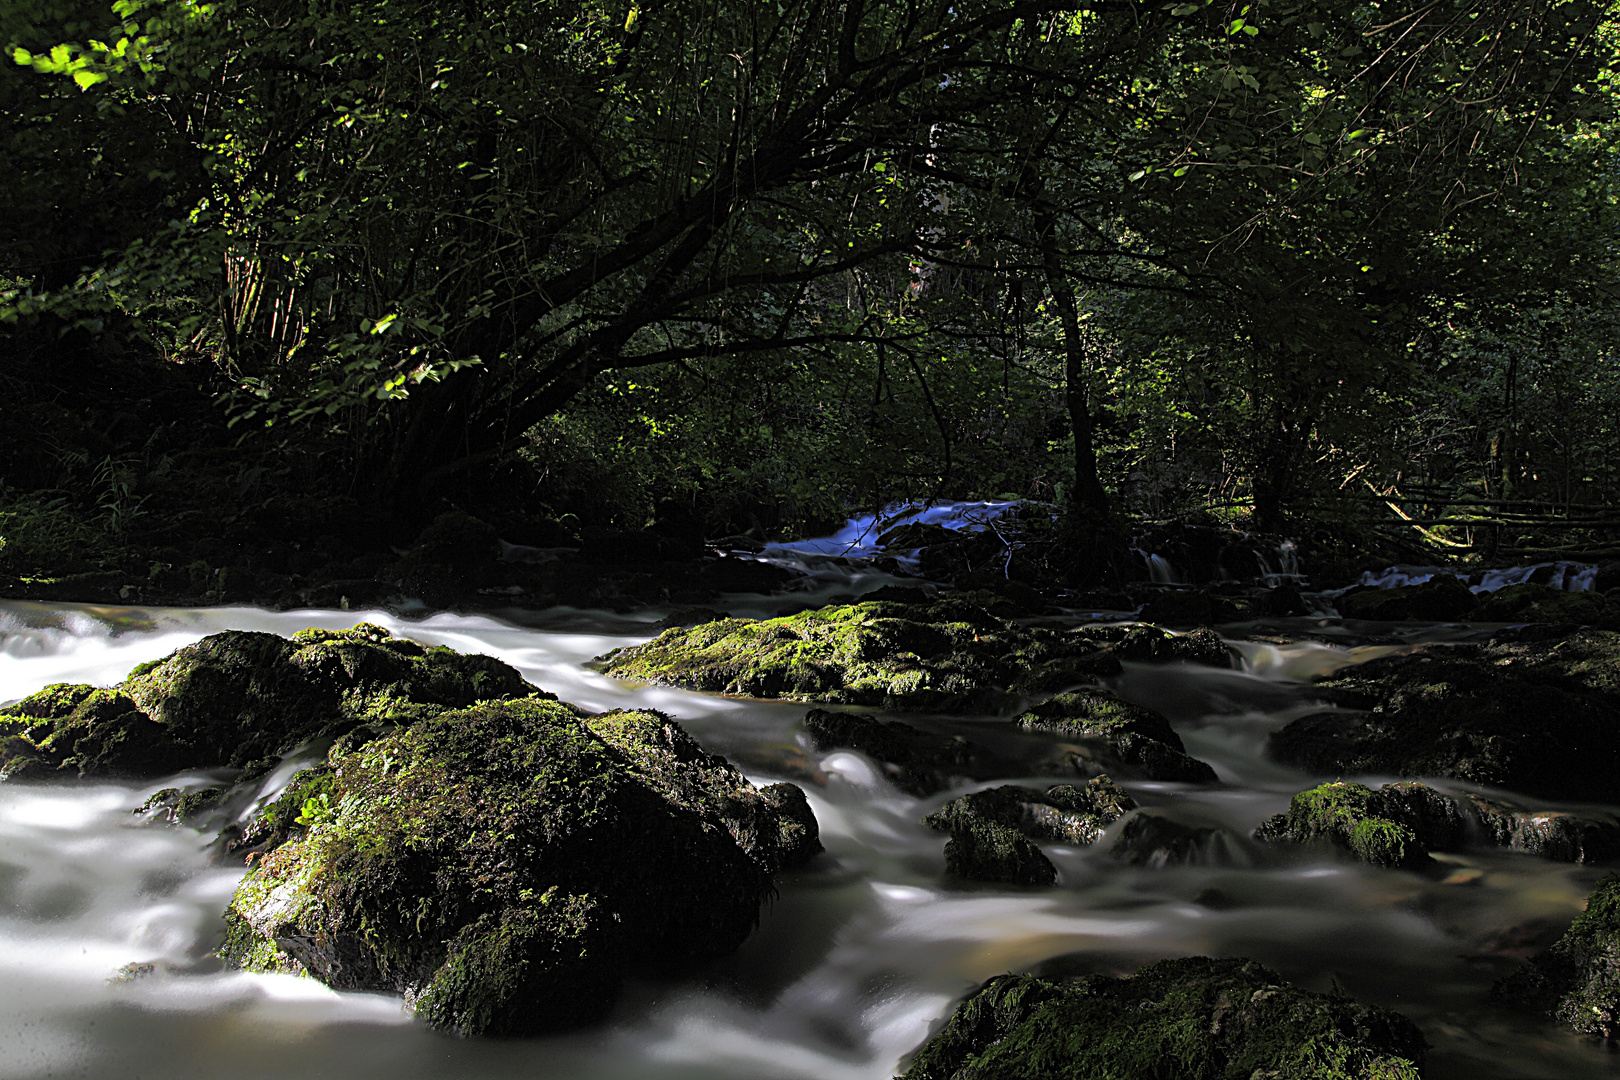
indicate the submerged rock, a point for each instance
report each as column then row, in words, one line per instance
column 1541, row 717
column 240, row 696
column 917, row 762
column 1577, row 980
column 1194, row 1017
column 945, row 656
column 1117, row 735
column 993, row 832
column 504, row 866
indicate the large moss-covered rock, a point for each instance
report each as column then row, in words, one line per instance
column 944, row 656
column 1195, row 1018
column 1117, row 735
column 504, row 866
column 915, row 761
column 239, row 696
column 1399, row 824
column 1378, row 827
column 1541, row 717
column 993, row 832
column 1577, row 980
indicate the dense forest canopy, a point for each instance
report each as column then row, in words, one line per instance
column 1259, row 258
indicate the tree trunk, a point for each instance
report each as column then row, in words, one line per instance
column 1088, row 495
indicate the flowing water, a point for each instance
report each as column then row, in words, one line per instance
column 861, row 954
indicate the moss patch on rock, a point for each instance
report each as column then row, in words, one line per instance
column 240, row 696
column 1540, row 717
column 503, row 866
column 1443, row 598
column 1196, row 1017
column 1399, row 824
column 944, row 656
column 1118, row 735
column 1577, row 980
column 993, row 832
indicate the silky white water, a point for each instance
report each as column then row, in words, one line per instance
column 863, row 951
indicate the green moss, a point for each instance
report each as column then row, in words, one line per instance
column 1196, row 1017
column 1120, row 736
column 945, row 656
column 1352, row 817
column 1577, row 980
column 242, row 696
column 505, row 864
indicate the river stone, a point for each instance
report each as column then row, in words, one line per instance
column 1398, row 824
column 239, row 696
column 993, row 831
column 1540, row 603
column 945, row 656
column 1443, row 598
column 1540, row 717
column 1154, row 840
column 504, row 866
column 1150, row 644
column 1188, row 607
column 1195, row 1018
column 1577, row 980
column 1118, row 736
column 917, row 762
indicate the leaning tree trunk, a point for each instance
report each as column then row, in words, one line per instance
column 1088, row 496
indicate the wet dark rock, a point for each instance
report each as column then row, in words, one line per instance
column 1443, row 598
column 441, row 565
column 171, row 806
column 239, row 696
column 1193, row 1017
column 1118, row 735
column 915, row 761
column 690, row 617
column 1284, row 601
column 1151, row 645
column 732, row 575
column 1577, row 980
column 504, row 866
column 1188, row 607
column 1541, row 604
column 1536, row 716
column 947, row 656
column 303, row 803
column 993, row 831
column 1152, row 839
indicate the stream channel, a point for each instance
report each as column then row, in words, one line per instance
column 861, row 955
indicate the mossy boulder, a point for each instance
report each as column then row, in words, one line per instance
column 1196, row 1018
column 917, row 762
column 1577, row 980
column 1375, row 826
column 1540, row 717
column 944, row 656
column 1443, row 598
column 1117, row 735
column 1399, row 824
column 994, row 832
column 239, row 696
column 504, row 866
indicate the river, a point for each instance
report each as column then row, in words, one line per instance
column 861, row 953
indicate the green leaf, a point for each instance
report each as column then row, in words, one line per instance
column 87, row 78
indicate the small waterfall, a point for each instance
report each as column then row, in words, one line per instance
column 1160, row 572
